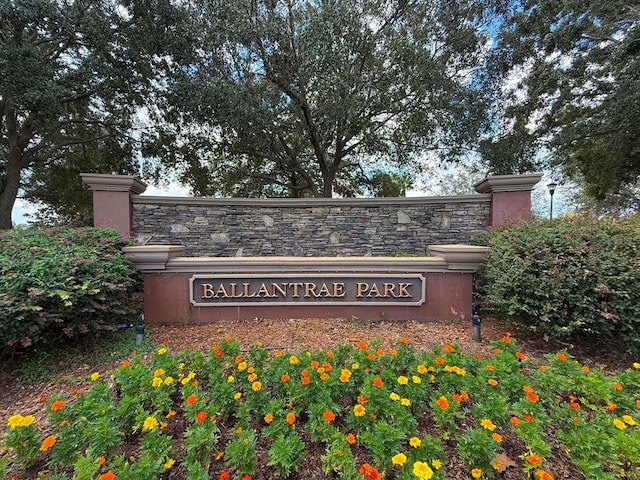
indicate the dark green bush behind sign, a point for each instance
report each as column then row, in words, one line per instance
column 63, row 282
column 570, row 279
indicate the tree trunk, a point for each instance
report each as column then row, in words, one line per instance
column 9, row 186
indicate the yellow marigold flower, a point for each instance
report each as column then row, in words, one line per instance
column 320, row 370
column 476, row 473
column 421, row 369
column 181, row 366
column 636, row 365
column 159, row 372
column 293, row 360
column 416, row 379
column 355, row 366
column 169, row 463
column 345, row 375
column 150, row 423
column 359, row 411
column 47, row 443
column 488, row 424
column 237, row 396
column 256, row 386
column 399, row 459
column 492, row 381
column 437, row 464
column 405, row 402
column 156, row 382
column 422, row 470
column 324, row 376
column 18, row 420
column 242, row 366
column 394, row 396
column 415, row 442
column 162, row 351
column 95, row 376
column 168, row 381
column 628, row 419
column 402, row 380
column 230, row 379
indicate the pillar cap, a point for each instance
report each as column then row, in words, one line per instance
column 508, row 183
column 104, row 182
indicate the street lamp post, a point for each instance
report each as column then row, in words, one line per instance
column 552, row 188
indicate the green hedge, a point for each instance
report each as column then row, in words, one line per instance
column 575, row 278
column 62, row 283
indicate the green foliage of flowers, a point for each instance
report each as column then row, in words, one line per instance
column 231, row 414
column 62, row 283
column 577, row 277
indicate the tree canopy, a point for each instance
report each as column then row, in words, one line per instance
column 312, row 98
column 571, row 95
column 71, row 76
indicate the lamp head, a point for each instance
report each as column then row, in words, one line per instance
column 552, row 187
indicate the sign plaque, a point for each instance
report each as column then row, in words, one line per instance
column 307, row 289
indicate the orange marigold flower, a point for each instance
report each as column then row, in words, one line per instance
column 362, row 345
column 492, row 381
column 515, row 421
column 48, row 442
column 172, row 413
column 617, row 386
column 57, row 405
column 497, row 350
column 476, row 473
column 351, row 438
column 532, row 397
column 285, row 378
column 464, row 394
column 442, row 403
column 108, row 476
column 315, row 364
column 490, row 368
column 324, row 376
column 377, row 382
column 371, row 356
column 521, row 356
column 225, row 475
column 528, row 418
column 74, row 391
column 304, row 373
column 393, row 352
column 201, row 417
column 440, row 360
column 42, row 399
column 534, row 459
column 268, row 418
column 497, row 437
column 380, row 352
column 369, row 472
column 245, row 477
column 329, row 416
column 611, row 407
column 456, row 397
column 448, row 348
column 584, row 369
column 562, row 357
column 574, row 406
column 362, row 399
column 125, row 364
column 101, row 461
column 638, row 403
column 291, row 418
column 306, row 380
column 542, row 368
column 544, row 475
column 191, row 399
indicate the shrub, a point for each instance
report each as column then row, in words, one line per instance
column 61, row 283
column 575, row 278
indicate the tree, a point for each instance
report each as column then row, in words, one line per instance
column 571, row 96
column 307, row 98
column 71, row 76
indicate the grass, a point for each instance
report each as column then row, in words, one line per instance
column 356, row 412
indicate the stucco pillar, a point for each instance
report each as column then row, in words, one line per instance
column 511, row 197
column 112, row 205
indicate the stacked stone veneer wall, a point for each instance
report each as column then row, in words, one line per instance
column 308, row 227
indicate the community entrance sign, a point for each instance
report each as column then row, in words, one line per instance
column 296, row 289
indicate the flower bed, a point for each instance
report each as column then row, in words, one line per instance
column 356, row 411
